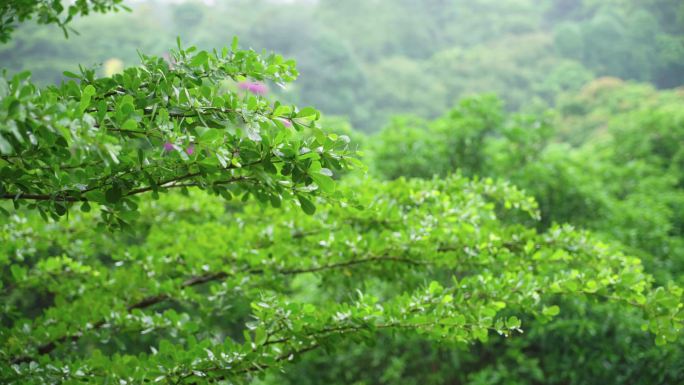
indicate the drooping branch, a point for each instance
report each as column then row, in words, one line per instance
column 315, row 340
column 356, row 262
column 218, row 276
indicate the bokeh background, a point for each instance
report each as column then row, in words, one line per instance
column 368, row 60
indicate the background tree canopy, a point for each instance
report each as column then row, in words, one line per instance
column 487, row 192
column 370, row 60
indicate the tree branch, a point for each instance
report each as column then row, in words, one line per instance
column 168, row 183
column 210, row 277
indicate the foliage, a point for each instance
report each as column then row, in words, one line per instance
column 586, row 114
column 406, row 148
column 413, row 148
column 609, row 352
column 269, row 243
column 623, row 180
column 157, row 127
column 627, row 182
column 206, row 291
column 371, row 60
column 208, row 288
column 49, row 12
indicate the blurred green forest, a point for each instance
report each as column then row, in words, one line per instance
column 371, row 59
column 578, row 102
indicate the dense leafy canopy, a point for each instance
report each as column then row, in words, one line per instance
column 173, row 223
column 208, row 291
column 623, row 179
column 371, row 60
column 199, row 268
column 49, row 12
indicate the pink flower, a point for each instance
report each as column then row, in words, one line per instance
column 286, row 122
column 190, row 150
column 168, row 146
column 253, row 87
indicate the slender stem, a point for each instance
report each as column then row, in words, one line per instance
column 168, row 183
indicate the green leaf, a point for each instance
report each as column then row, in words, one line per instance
column 309, row 155
column 513, row 322
column 211, row 135
column 325, row 182
column 18, row 272
column 200, row 59
column 282, row 110
column 60, row 208
column 551, row 311
column 89, row 90
column 129, row 125
column 308, row 207
column 5, row 146
column 85, row 207
column 435, row 288
column 319, row 134
column 87, row 94
column 591, row 286
column 269, row 166
column 481, row 334
column 113, row 195
column 307, row 112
